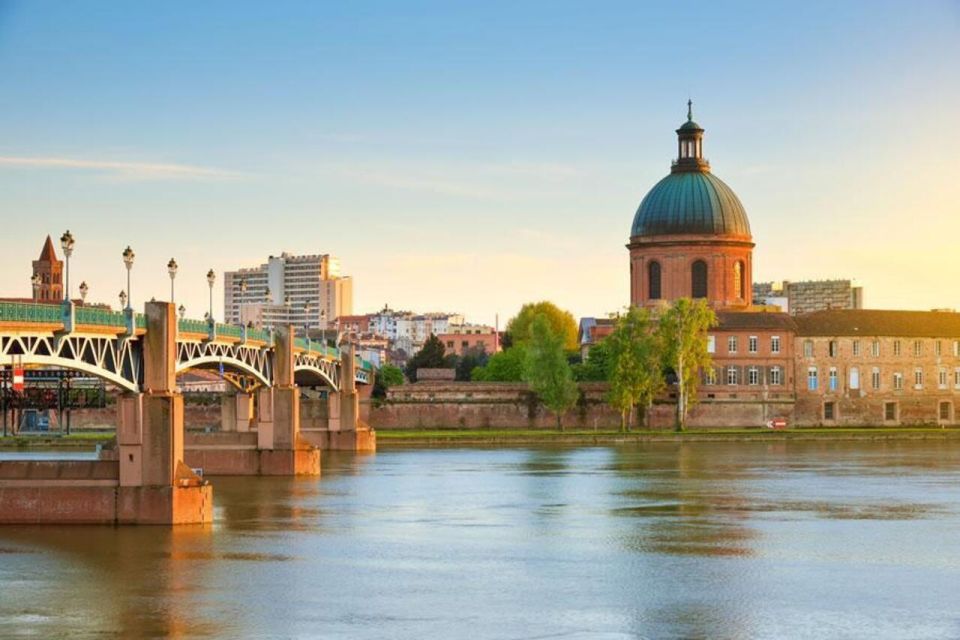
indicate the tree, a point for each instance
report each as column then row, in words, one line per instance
column 560, row 321
column 431, row 356
column 387, row 376
column 547, row 370
column 683, row 338
column 596, row 368
column 506, row 366
column 472, row 358
column 634, row 370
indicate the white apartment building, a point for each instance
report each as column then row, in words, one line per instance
column 407, row 329
column 306, row 291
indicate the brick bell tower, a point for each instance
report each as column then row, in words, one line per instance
column 48, row 275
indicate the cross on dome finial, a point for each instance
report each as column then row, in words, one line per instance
column 689, row 110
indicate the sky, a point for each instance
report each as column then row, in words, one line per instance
column 471, row 157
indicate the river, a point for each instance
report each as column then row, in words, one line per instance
column 708, row 540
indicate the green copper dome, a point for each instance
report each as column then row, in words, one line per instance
column 690, row 202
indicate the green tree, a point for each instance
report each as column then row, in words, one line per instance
column 596, row 368
column 560, row 321
column 634, row 371
column 683, row 337
column 471, row 359
column 547, row 370
column 431, row 356
column 506, row 366
column 387, row 376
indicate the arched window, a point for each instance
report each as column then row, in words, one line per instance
column 698, row 273
column 653, row 280
column 738, row 280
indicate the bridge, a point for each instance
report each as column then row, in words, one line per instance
column 148, row 477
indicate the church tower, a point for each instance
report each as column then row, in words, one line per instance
column 48, row 275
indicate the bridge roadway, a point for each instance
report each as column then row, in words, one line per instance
column 147, row 478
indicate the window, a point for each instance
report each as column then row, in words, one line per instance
column 833, row 379
column 945, row 410
column 854, row 378
column 812, row 379
column 711, row 344
column 918, row 378
column 732, row 375
column 917, row 347
column 753, row 375
column 698, row 279
column 653, row 280
column 832, row 348
column 738, row 280
column 465, row 344
column 449, row 344
column 875, row 348
column 808, row 348
column 829, row 410
column 710, row 376
column 776, row 376
column 956, row 348
column 898, row 381
column 938, row 348
column 856, row 347
column 896, row 347
column 890, row 411
column 875, row 378
column 956, row 378
column 732, row 344
column 752, row 344
column 942, row 378
column 775, row 344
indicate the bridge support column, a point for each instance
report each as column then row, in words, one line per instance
column 156, row 487
column 345, row 430
column 236, row 412
column 282, row 450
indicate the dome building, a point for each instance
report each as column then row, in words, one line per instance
column 690, row 236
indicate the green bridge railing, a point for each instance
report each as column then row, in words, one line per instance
column 30, row 312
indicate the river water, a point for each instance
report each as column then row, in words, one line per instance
column 738, row 540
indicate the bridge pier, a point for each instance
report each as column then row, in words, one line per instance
column 345, row 431
column 143, row 481
column 236, row 412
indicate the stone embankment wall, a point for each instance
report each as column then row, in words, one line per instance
column 482, row 405
column 194, row 416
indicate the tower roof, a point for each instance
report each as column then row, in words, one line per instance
column 48, row 253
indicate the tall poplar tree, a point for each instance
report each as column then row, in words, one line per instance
column 635, row 372
column 547, row 371
column 683, row 335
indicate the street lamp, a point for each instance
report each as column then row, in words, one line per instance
column 83, row 291
column 211, row 278
column 172, row 270
column 183, row 311
column 128, row 257
column 36, row 281
column 66, row 243
column 123, row 299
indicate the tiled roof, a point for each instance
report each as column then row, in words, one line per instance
column 48, row 254
column 734, row 320
column 875, row 322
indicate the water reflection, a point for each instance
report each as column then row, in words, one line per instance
column 698, row 540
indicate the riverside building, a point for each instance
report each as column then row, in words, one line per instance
column 827, row 362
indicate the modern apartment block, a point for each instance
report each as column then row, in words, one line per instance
column 307, row 291
column 798, row 298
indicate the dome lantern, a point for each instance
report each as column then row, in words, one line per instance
column 690, row 145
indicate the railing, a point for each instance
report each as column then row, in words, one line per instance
column 30, row 312
column 258, row 334
column 229, row 330
column 186, row 325
column 100, row 317
column 140, row 321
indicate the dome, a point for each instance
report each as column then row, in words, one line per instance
column 690, row 202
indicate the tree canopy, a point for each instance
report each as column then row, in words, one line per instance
column 506, row 366
column 682, row 332
column 596, row 367
column 561, row 323
column 431, row 356
column 387, row 376
column 634, row 367
column 546, row 368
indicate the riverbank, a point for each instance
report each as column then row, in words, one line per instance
column 87, row 440
column 520, row 437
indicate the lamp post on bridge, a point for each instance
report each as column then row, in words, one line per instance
column 66, row 243
column 123, row 299
column 84, row 289
column 128, row 257
column 183, row 311
column 35, row 282
column 172, row 270
column 211, row 279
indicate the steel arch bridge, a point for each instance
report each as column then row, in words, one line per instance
column 109, row 345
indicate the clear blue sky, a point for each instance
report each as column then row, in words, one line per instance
column 474, row 157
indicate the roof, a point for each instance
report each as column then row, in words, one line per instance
column 876, row 322
column 690, row 202
column 48, row 253
column 734, row 320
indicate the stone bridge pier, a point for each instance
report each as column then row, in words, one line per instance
column 336, row 425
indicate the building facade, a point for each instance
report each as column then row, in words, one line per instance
column 797, row 298
column 306, row 291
